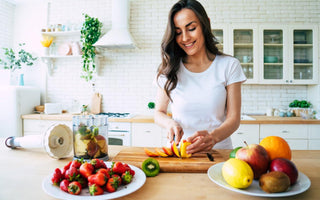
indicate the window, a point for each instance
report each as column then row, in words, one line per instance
column 6, row 23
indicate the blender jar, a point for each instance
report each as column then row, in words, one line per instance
column 90, row 136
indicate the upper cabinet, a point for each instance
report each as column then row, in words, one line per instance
column 273, row 54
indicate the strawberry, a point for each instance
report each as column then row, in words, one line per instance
column 99, row 179
column 74, row 188
column 64, row 185
column 76, row 163
column 57, row 177
column 128, row 168
column 106, row 172
column 118, row 178
column 95, row 189
column 118, row 168
column 97, row 163
column 112, row 185
column 72, row 174
column 126, row 177
column 86, row 169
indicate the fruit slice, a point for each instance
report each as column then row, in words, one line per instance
column 183, row 149
column 161, row 153
column 150, row 153
column 175, row 149
column 167, row 151
column 150, row 167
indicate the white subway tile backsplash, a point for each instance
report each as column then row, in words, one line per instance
column 126, row 76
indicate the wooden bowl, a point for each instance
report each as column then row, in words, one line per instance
column 40, row 108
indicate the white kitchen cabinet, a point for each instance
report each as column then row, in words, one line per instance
column 296, row 134
column 37, row 127
column 244, row 47
column 314, row 137
column 245, row 132
column 288, row 54
column 273, row 53
column 146, row 135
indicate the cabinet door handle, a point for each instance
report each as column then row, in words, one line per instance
column 284, row 131
column 240, row 133
column 148, row 131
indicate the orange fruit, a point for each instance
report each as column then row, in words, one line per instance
column 277, row 147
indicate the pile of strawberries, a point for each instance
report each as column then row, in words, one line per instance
column 78, row 174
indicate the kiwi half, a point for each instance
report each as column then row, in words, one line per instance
column 151, row 167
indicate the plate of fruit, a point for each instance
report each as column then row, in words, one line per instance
column 94, row 180
column 264, row 169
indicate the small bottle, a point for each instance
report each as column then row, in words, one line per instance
column 53, row 48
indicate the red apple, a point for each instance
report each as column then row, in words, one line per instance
column 286, row 166
column 256, row 156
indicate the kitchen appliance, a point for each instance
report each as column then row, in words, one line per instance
column 90, row 136
column 14, row 102
column 57, row 141
column 119, row 35
column 119, row 133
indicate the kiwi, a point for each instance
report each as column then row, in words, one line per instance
column 274, row 181
column 151, row 167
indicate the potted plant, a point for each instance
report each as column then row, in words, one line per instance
column 13, row 61
column 90, row 33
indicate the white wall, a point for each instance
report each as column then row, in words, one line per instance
column 126, row 76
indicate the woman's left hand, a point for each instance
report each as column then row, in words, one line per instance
column 200, row 141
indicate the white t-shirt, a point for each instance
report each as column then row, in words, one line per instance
column 199, row 99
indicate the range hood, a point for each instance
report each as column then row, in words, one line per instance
column 119, row 35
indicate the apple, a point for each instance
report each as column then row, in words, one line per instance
column 286, row 166
column 175, row 149
column 256, row 156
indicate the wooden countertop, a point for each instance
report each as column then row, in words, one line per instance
column 23, row 170
column 149, row 119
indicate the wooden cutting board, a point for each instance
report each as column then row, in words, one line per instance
column 198, row 163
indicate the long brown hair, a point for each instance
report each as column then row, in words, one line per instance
column 171, row 52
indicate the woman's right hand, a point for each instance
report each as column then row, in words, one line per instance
column 174, row 131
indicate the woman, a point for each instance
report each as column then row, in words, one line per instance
column 202, row 84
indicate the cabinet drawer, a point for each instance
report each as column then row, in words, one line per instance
column 314, row 131
column 284, row 131
column 146, row 135
column 298, row 144
column 32, row 125
column 248, row 133
column 314, row 144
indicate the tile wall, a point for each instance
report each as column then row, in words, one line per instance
column 126, row 76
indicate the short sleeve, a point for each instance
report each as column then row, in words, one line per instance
column 235, row 73
column 160, row 81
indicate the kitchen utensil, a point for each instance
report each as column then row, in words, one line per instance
column 197, row 163
column 96, row 103
column 90, row 136
column 57, row 141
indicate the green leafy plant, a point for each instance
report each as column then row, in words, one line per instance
column 151, row 105
column 90, row 33
column 13, row 61
column 300, row 104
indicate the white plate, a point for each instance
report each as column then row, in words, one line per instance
column 302, row 184
column 137, row 182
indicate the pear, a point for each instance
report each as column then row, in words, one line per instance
column 275, row 181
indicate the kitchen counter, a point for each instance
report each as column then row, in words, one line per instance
column 23, row 170
column 149, row 119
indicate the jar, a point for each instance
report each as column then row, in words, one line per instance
column 90, row 136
